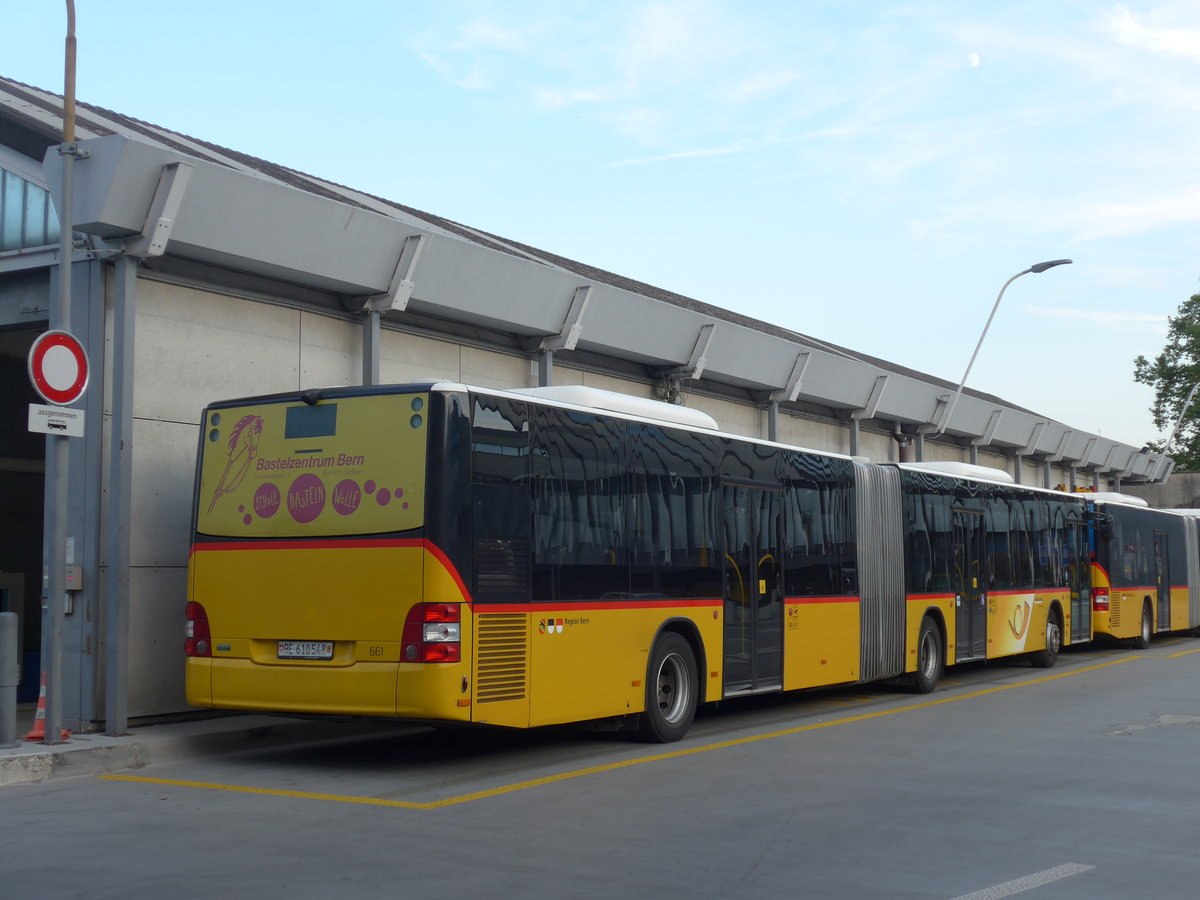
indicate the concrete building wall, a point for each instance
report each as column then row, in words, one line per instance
column 195, row 346
column 1181, row 491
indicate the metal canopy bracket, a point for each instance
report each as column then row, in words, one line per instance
column 1086, row 461
column 990, row 432
column 670, row 385
column 941, row 414
column 1031, row 448
column 573, row 324
column 1061, row 453
column 400, row 290
column 872, row 405
column 795, row 379
column 699, row 359
column 164, row 210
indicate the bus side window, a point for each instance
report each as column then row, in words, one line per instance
column 500, row 499
column 578, row 465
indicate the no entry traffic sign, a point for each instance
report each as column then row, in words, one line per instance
column 58, row 367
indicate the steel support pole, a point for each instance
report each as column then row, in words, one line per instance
column 58, row 470
column 370, row 370
column 10, row 675
column 545, row 368
column 57, row 448
column 773, row 420
column 120, row 474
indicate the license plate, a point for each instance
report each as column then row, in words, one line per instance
column 306, row 649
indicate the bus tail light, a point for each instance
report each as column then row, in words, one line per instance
column 1100, row 599
column 199, row 639
column 433, row 633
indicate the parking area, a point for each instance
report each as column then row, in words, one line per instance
column 1008, row 780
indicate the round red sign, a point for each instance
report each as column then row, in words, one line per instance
column 58, row 367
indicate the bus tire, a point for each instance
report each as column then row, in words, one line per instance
column 672, row 691
column 929, row 658
column 1048, row 655
column 1145, row 630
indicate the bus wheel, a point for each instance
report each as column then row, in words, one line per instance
column 671, row 691
column 929, row 658
column 1142, row 641
column 1046, row 658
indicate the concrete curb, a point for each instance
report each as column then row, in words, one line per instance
column 81, row 755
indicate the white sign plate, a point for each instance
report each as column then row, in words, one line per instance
column 55, row 420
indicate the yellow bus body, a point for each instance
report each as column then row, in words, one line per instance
column 356, row 594
column 574, row 662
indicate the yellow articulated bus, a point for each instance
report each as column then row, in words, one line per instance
column 1144, row 569
column 521, row 558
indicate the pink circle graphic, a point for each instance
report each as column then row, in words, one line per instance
column 266, row 500
column 346, row 497
column 247, row 519
column 383, row 497
column 369, row 487
column 399, row 492
column 306, row 498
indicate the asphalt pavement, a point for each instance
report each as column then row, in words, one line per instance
column 100, row 754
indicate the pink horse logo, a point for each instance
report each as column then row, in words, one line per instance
column 243, row 447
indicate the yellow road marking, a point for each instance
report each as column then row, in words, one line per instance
column 1182, row 653
column 610, row 767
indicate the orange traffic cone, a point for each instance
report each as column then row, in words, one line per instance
column 39, row 720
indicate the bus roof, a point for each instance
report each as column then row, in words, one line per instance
column 962, row 470
column 1113, row 497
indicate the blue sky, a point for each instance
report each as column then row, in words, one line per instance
column 868, row 173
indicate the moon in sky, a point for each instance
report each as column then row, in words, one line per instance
column 973, row 60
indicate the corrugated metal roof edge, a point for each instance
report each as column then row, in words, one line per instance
column 306, row 182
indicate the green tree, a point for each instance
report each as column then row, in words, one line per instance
column 1173, row 374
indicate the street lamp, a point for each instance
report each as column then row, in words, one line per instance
column 1036, row 269
column 1162, row 457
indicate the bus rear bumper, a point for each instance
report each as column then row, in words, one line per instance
column 361, row 689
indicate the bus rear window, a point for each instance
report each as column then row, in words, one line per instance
column 354, row 466
column 310, row 421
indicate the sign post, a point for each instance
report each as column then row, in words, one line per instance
column 58, row 368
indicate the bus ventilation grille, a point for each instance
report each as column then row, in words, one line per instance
column 1114, row 612
column 502, row 641
column 501, row 565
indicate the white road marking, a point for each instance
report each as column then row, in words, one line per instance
column 1028, row 883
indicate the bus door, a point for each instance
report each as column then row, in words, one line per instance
column 1162, row 580
column 970, row 586
column 1079, row 580
column 753, row 589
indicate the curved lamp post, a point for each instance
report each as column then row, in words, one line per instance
column 1036, row 269
column 1162, row 457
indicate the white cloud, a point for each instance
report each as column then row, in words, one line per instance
column 483, row 34
column 759, row 84
column 1109, row 320
column 1152, row 33
column 735, row 147
column 1125, row 218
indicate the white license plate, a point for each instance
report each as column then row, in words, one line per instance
column 306, row 649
